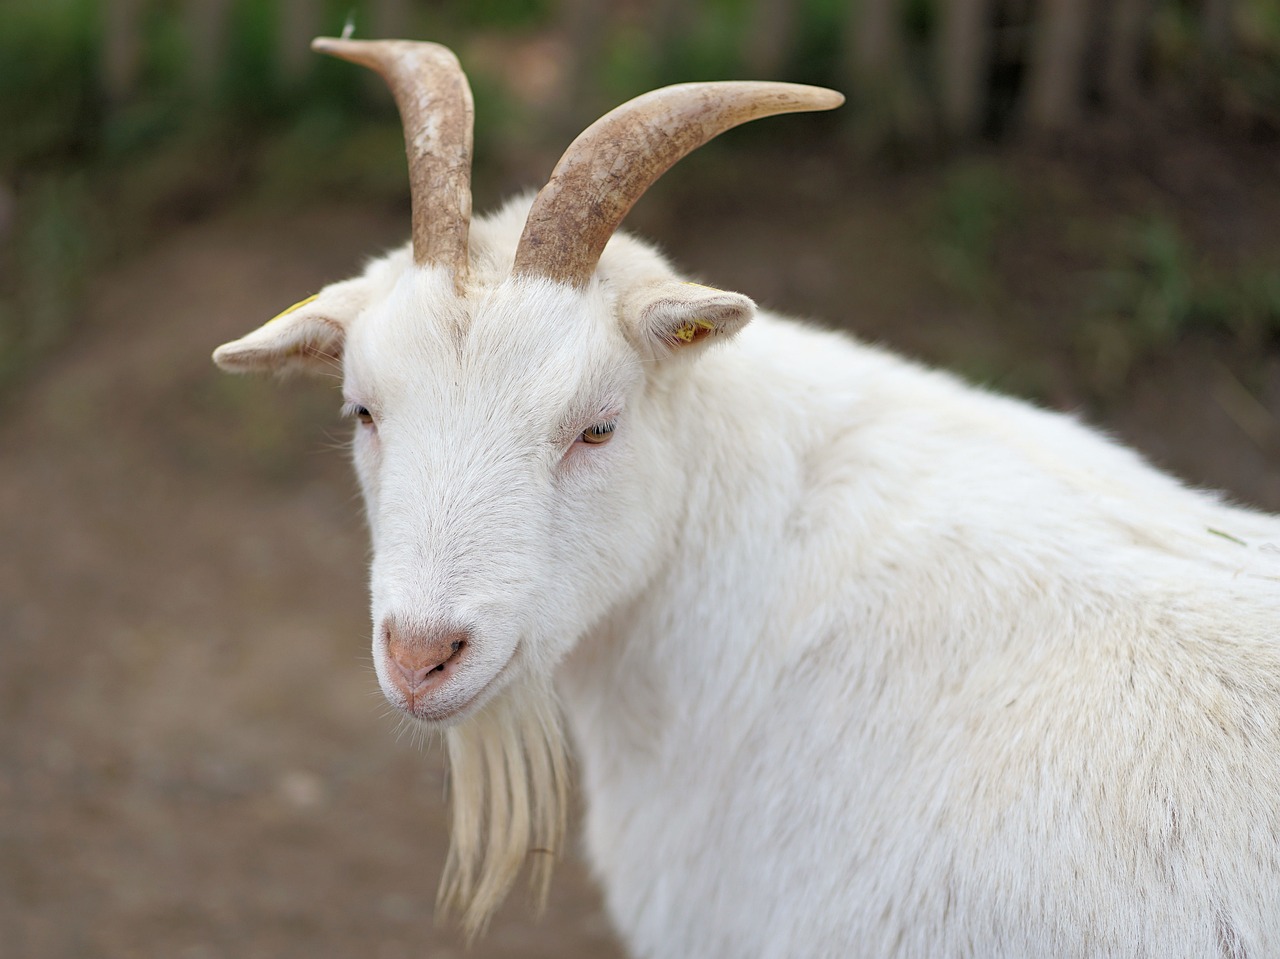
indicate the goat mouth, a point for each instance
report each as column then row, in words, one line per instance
column 433, row 702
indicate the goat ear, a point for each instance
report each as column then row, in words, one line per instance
column 307, row 337
column 675, row 316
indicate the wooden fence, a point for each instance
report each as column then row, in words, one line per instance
column 934, row 66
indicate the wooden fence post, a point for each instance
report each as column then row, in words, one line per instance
column 964, row 59
column 770, row 36
column 205, row 23
column 874, row 42
column 300, row 22
column 121, row 48
column 1128, row 25
column 1055, row 81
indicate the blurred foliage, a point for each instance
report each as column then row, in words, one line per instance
column 503, row 14
column 1157, row 291
column 48, row 91
column 137, row 113
column 976, row 202
column 1244, row 79
column 52, row 259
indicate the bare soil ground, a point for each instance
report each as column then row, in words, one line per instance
column 194, row 758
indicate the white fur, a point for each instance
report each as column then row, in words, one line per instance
column 858, row 660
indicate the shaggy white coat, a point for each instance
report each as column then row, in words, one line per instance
column 856, row 659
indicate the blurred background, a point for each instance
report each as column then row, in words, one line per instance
column 1077, row 201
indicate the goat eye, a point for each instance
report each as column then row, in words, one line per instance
column 600, row 433
column 359, row 412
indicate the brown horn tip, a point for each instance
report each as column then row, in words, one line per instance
column 434, row 100
column 616, row 159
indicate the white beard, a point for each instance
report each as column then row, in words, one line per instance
column 508, row 779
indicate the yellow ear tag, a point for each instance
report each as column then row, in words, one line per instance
column 297, row 306
column 694, row 329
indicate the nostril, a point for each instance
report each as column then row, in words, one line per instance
column 420, row 656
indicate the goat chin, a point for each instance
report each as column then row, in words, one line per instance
column 507, row 776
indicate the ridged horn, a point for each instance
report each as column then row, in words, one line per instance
column 434, row 100
column 611, row 164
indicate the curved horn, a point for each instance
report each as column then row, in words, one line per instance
column 434, row 101
column 611, row 163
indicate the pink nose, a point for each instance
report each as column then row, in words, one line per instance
column 422, row 660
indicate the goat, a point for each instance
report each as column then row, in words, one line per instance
column 856, row 659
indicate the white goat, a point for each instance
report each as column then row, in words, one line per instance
column 858, row 660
